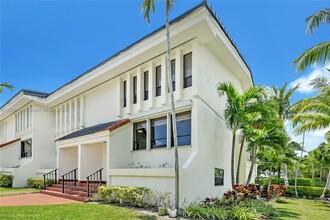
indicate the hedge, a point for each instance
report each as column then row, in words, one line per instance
column 38, row 182
column 6, row 180
column 300, row 182
column 307, row 191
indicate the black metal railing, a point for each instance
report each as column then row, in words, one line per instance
column 94, row 181
column 69, row 179
column 50, row 178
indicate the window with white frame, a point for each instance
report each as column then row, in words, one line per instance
column 187, row 70
column 159, row 132
column 173, row 74
column 134, row 89
column 146, row 85
column 219, row 175
column 140, row 136
column 26, row 148
column 183, row 127
column 158, row 80
column 125, row 93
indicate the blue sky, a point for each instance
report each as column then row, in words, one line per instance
column 45, row 44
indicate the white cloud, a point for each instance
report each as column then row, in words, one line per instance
column 305, row 80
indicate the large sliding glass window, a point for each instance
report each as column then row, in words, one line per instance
column 140, row 135
column 159, row 132
column 26, row 148
column 146, row 85
column 158, row 80
column 187, row 70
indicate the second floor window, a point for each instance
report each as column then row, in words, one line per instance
column 158, row 80
column 159, row 132
column 140, row 135
column 134, row 89
column 125, row 93
column 187, row 70
column 173, row 74
column 146, row 85
column 26, row 148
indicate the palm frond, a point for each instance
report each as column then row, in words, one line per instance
column 147, row 6
column 318, row 55
column 320, row 82
column 6, row 86
column 314, row 21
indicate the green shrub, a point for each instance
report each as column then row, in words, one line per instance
column 196, row 211
column 307, row 191
column 262, row 207
column 38, row 183
column 300, row 182
column 244, row 213
column 6, row 180
column 131, row 196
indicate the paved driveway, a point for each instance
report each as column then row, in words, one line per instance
column 33, row 199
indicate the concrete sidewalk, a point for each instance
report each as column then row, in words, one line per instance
column 33, row 199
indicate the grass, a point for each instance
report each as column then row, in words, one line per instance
column 303, row 209
column 71, row 211
column 4, row 191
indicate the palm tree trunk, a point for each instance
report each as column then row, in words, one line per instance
column 269, row 181
column 239, row 162
column 326, row 188
column 251, row 169
column 175, row 137
column 279, row 175
column 233, row 159
column 321, row 174
column 285, row 174
column 298, row 165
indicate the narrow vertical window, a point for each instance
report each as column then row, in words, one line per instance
column 173, row 74
column 158, row 81
column 183, row 125
column 187, row 70
column 159, row 132
column 140, row 136
column 125, row 93
column 218, row 177
column 134, row 89
column 146, row 85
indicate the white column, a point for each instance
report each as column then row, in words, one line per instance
column 178, row 74
column 164, row 95
column 139, row 89
column 129, row 102
column 70, row 116
column 20, row 120
column 80, row 162
column 76, row 113
column 152, row 84
column 56, row 122
column 82, row 111
column 61, row 120
column 65, row 126
column 107, row 159
column 31, row 113
column 195, row 47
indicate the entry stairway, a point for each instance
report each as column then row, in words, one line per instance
column 68, row 187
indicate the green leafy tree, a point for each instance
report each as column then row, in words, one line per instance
column 147, row 7
column 318, row 54
column 238, row 106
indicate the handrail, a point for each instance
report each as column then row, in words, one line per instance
column 68, row 178
column 52, row 175
column 94, row 180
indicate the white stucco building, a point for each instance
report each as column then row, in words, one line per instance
column 116, row 116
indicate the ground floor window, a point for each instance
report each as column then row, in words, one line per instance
column 159, row 132
column 183, row 126
column 218, row 177
column 26, row 148
column 140, row 135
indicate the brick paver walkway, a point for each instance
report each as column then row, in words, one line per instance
column 33, row 199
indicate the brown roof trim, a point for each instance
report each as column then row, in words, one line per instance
column 119, row 124
column 9, row 142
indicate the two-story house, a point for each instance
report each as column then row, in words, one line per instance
column 116, row 116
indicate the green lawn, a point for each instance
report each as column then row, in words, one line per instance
column 4, row 191
column 71, row 211
column 303, row 209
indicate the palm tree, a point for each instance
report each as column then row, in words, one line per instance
column 281, row 97
column 238, row 106
column 5, row 86
column 147, row 7
column 301, row 148
column 318, row 54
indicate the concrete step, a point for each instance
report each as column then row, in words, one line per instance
column 65, row 195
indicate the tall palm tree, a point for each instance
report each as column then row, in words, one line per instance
column 148, row 6
column 281, row 98
column 320, row 53
column 5, row 86
column 238, row 106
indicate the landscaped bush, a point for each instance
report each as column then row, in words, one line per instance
column 300, row 182
column 242, row 193
column 6, row 180
column 131, row 196
column 274, row 191
column 306, row 191
column 196, row 211
column 262, row 207
column 38, row 183
column 244, row 213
